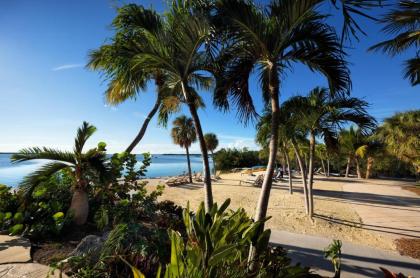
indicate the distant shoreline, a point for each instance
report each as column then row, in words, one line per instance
column 193, row 154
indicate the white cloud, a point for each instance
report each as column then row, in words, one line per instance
column 67, row 66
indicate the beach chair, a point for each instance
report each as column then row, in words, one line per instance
column 278, row 176
column 216, row 176
column 198, row 177
column 254, row 181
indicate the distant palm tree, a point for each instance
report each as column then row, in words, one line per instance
column 115, row 60
column 183, row 134
column 269, row 41
column 322, row 114
column 82, row 165
column 404, row 23
column 400, row 134
column 371, row 149
column 212, row 142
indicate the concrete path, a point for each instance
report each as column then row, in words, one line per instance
column 27, row 270
column 357, row 260
column 14, row 249
column 385, row 207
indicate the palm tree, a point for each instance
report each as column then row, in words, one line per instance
column 115, row 61
column 371, row 149
column 322, row 153
column 82, row 165
column 322, row 114
column 351, row 141
column 212, row 142
column 400, row 134
column 177, row 52
column 183, row 134
column 403, row 22
column 268, row 42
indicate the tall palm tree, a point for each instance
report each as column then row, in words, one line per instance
column 351, row 141
column 177, row 52
column 268, row 42
column 404, row 23
column 183, row 134
column 322, row 114
column 212, row 142
column 400, row 134
column 371, row 149
column 82, row 165
column 115, row 61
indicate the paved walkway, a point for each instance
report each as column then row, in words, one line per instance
column 357, row 260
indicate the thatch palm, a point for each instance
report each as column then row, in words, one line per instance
column 322, row 114
column 212, row 142
column 400, row 134
column 115, row 60
column 183, row 134
column 176, row 53
column 404, row 23
column 269, row 41
column 82, row 165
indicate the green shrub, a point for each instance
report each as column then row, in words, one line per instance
column 16, row 229
column 18, row 218
column 227, row 159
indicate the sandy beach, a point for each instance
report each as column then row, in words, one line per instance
column 287, row 211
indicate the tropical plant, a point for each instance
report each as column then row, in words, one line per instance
column 371, row 149
column 227, row 158
column 333, row 252
column 403, row 22
column 115, row 60
column 352, row 143
column 400, row 134
column 212, row 142
column 183, row 134
column 322, row 153
column 83, row 166
column 322, row 114
column 177, row 52
column 269, row 41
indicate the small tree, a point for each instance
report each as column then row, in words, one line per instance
column 212, row 142
column 183, row 134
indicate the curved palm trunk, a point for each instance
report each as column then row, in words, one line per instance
column 328, row 167
column 189, row 164
column 323, row 167
column 286, row 155
column 359, row 173
column 263, row 200
column 303, row 175
column 311, row 173
column 208, row 194
column 348, row 166
column 144, row 126
column 369, row 167
column 79, row 206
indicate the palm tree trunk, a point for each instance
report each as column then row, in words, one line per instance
column 286, row 155
column 369, row 167
column 262, row 205
column 214, row 163
column 79, row 206
column 144, row 126
column 328, row 167
column 208, row 194
column 303, row 175
column 311, row 173
column 359, row 173
column 189, row 164
column 323, row 167
column 348, row 166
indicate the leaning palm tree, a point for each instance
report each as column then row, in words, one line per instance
column 322, row 114
column 177, row 52
column 82, row 166
column 404, row 23
column 115, row 61
column 212, row 142
column 268, row 42
column 371, row 150
column 183, row 134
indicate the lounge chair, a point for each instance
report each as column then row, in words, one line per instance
column 216, row 176
column 278, row 176
column 254, row 181
column 198, row 177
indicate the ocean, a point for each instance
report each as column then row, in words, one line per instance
column 162, row 165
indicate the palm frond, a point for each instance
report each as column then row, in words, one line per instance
column 83, row 134
column 412, row 70
column 42, row 153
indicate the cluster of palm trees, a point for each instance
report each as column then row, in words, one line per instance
column 218, row 44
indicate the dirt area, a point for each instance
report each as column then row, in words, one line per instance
column 414, row 189
column 409, row 247
column 287, row 211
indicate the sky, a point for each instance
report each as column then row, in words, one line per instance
column 46, row 92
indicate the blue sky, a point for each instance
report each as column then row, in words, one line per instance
column 46, row 93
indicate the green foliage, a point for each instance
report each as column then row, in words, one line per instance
column 8, row 200
column 16, row 229
column 227, row 159
column 333, row 252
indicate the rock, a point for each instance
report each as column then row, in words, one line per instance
column 91, row 246
column 14, row 249
column 28, row 270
